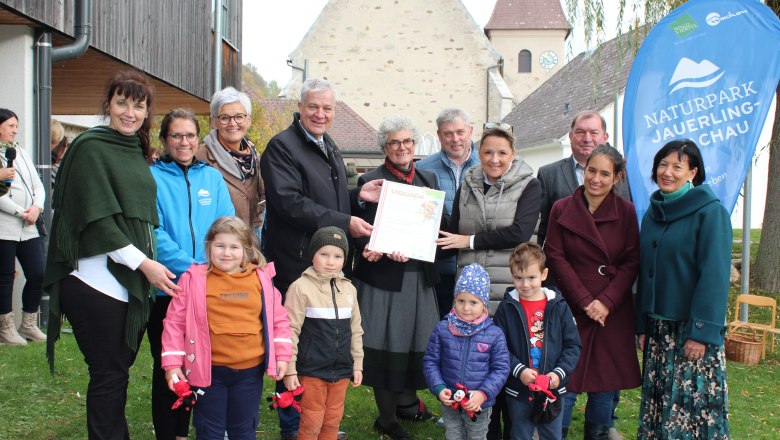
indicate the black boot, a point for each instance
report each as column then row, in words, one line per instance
column 564, row 432
column 415, row 411
column 596, row 432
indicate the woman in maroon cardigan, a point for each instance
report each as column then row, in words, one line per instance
column 592, row 249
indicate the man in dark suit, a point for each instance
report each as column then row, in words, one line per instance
column 559, row 179
column 306, row 189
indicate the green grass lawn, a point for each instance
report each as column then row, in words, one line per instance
column 755, row 237
column 37, row 405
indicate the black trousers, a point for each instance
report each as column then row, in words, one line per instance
column 168, row 423
column 500, row 411
column 98, row 323
column 30, row 255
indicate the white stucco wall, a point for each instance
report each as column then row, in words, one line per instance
column 17, row 72
column 403, row 56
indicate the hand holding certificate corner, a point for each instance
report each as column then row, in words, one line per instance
column 407, row 222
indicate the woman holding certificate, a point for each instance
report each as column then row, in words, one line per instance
column 495, row 209
column 394, row 289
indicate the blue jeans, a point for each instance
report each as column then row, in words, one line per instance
column 599, row 410
column 459, row 426
column 230, row 404
column 289, row 418
column 520, row 411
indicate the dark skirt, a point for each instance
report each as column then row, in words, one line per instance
column 681, row 399
column 397, row 327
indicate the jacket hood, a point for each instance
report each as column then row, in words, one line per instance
column 552, row 294
column 322, row 277
column 517, row 172
column 663, row 211
column 170, row 166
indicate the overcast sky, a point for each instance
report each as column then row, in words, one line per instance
column 273, row 29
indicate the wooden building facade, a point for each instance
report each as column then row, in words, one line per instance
column 170, row 40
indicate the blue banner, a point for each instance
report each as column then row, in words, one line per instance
column 706, row 72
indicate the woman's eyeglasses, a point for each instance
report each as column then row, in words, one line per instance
column 178, row 136
column 394, row 144
column 225, row 119
column 500, row 125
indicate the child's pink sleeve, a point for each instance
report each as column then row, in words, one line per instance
column 282, row 336
column 174, row 325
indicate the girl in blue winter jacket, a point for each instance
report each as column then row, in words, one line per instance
column 468, row 353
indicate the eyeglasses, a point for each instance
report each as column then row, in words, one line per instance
column 394, row 144
column 500, row 125
column 178, row 136
column 225, row 119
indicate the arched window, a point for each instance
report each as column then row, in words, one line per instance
column 524, row 61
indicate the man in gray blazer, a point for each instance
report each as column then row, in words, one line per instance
column 559, row 179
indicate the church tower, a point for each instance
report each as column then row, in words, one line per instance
column 530, row 35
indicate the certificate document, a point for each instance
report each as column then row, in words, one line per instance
column 407, row 221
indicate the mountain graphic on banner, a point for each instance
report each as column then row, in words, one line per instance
column 689, row 73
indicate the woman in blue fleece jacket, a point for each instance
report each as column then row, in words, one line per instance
column 467, row 349
column 190, row 196
column 685, row 264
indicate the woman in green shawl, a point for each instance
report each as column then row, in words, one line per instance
column 100, row 267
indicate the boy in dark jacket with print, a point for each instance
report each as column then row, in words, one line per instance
column 542, row 338
column 327, row 336
column 467, row 351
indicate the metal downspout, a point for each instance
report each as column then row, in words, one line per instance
column 500, row 65
column 45, row 57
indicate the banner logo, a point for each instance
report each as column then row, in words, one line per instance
column 684, row 25
column 706, row 87
column 692, row 74
column 714, row 19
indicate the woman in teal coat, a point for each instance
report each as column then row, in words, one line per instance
column 685, row 264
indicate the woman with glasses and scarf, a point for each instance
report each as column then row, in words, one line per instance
column 394, row 289
column 234, row 155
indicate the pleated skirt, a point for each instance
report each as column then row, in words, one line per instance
column 681, row 399
column 397, row 327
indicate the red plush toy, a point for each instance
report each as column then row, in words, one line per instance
column 286, row 399
column 462, row 397
column 542, row 384
column 186, row 396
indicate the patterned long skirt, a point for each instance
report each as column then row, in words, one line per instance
column 681, row 399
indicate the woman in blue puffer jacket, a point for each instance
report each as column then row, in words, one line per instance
column 467, row 351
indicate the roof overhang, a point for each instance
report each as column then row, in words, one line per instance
column 78, row 84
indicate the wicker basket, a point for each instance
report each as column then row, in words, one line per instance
column 744, row 346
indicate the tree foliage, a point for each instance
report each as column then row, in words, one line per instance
column 766, row 275
column 252, row 80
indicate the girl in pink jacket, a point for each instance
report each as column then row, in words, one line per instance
column 224, row 328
